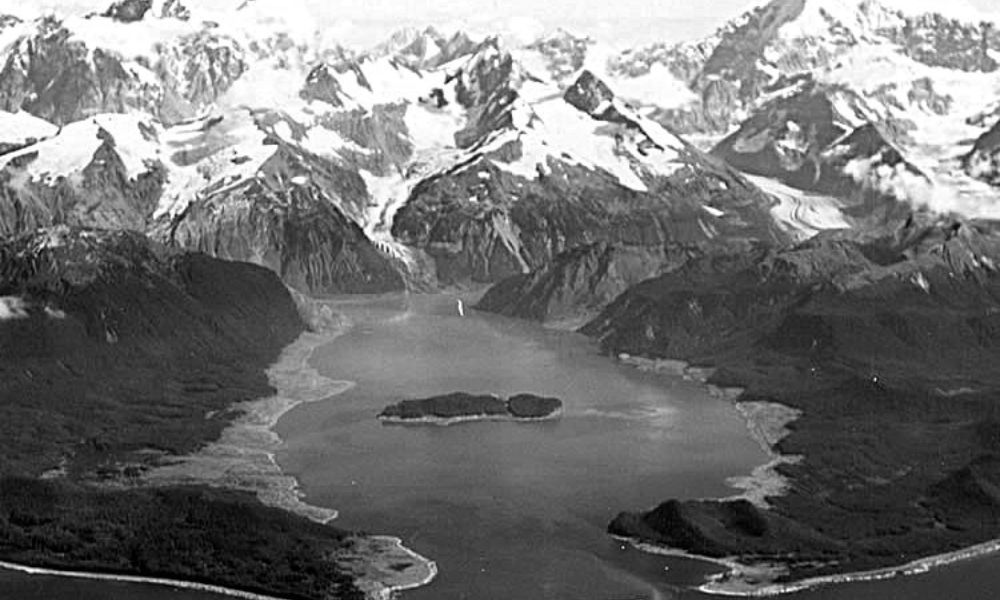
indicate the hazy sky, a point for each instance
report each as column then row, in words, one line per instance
column 624, row 22
column 621, row 22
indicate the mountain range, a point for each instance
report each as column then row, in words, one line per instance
column 811, row 189
column 438, row 158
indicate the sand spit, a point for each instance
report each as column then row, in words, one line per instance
column 175, row 583
column 756, row 580
column 731, row 584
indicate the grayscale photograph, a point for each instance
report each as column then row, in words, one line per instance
column 499, row 300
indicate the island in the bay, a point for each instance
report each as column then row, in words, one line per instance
column 459, row 407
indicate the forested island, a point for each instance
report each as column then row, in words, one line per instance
column 459, row 407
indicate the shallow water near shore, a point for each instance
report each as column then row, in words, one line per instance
column 513, row 510
column 508, row 510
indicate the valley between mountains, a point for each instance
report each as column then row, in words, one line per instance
column 801, row 210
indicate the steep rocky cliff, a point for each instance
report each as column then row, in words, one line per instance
column 64, row 71
column 826, row 139
column 983, row 162
column 730, row 70
column 284, row 218
column 548, row 173
column 577, row 284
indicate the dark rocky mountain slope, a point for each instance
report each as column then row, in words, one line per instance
column 529, row 201
column 116, row 351
column 885, row 343
column 113, row 345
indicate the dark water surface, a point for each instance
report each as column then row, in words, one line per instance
column 514, row 510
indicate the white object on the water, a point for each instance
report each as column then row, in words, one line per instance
column 461, row 308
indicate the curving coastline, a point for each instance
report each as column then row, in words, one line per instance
column 380, row 579
column 768, row 423
column 174, row 583
column 719, row 587
column 243, row 458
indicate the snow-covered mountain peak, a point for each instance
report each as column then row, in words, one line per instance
column 424, row 48
column 560, row 54
column 961, row 10
column 831, row 18
column 129, row 11
column 815, row 16
column 488, row 72
column 135, row 140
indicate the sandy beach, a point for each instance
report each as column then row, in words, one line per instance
column 175, row 583
column 729, row 586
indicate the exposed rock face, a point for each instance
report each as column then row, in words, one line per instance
column 287, row 218
column 564, row 53
column 129, row 11
column 228, row 190
column 497, row 235
column 112, row 324
column 195, row 70
column 730, row 70
column 984, row 160
column 580, row 282
column 485, row 221
column 939, row 41
column 59, row 79
column 424, row 49
column 100, row 191
column 590, row 95
column 322, row 86
column 805, row 139
column 924, row 96
column 53, row 75
column 172, row 9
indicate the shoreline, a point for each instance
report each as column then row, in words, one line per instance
column 381, row 581
column 914, row 567
column 448, row 421
column 767, row 423
column 139, row 579
column 718, row 585
column 244, row 457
